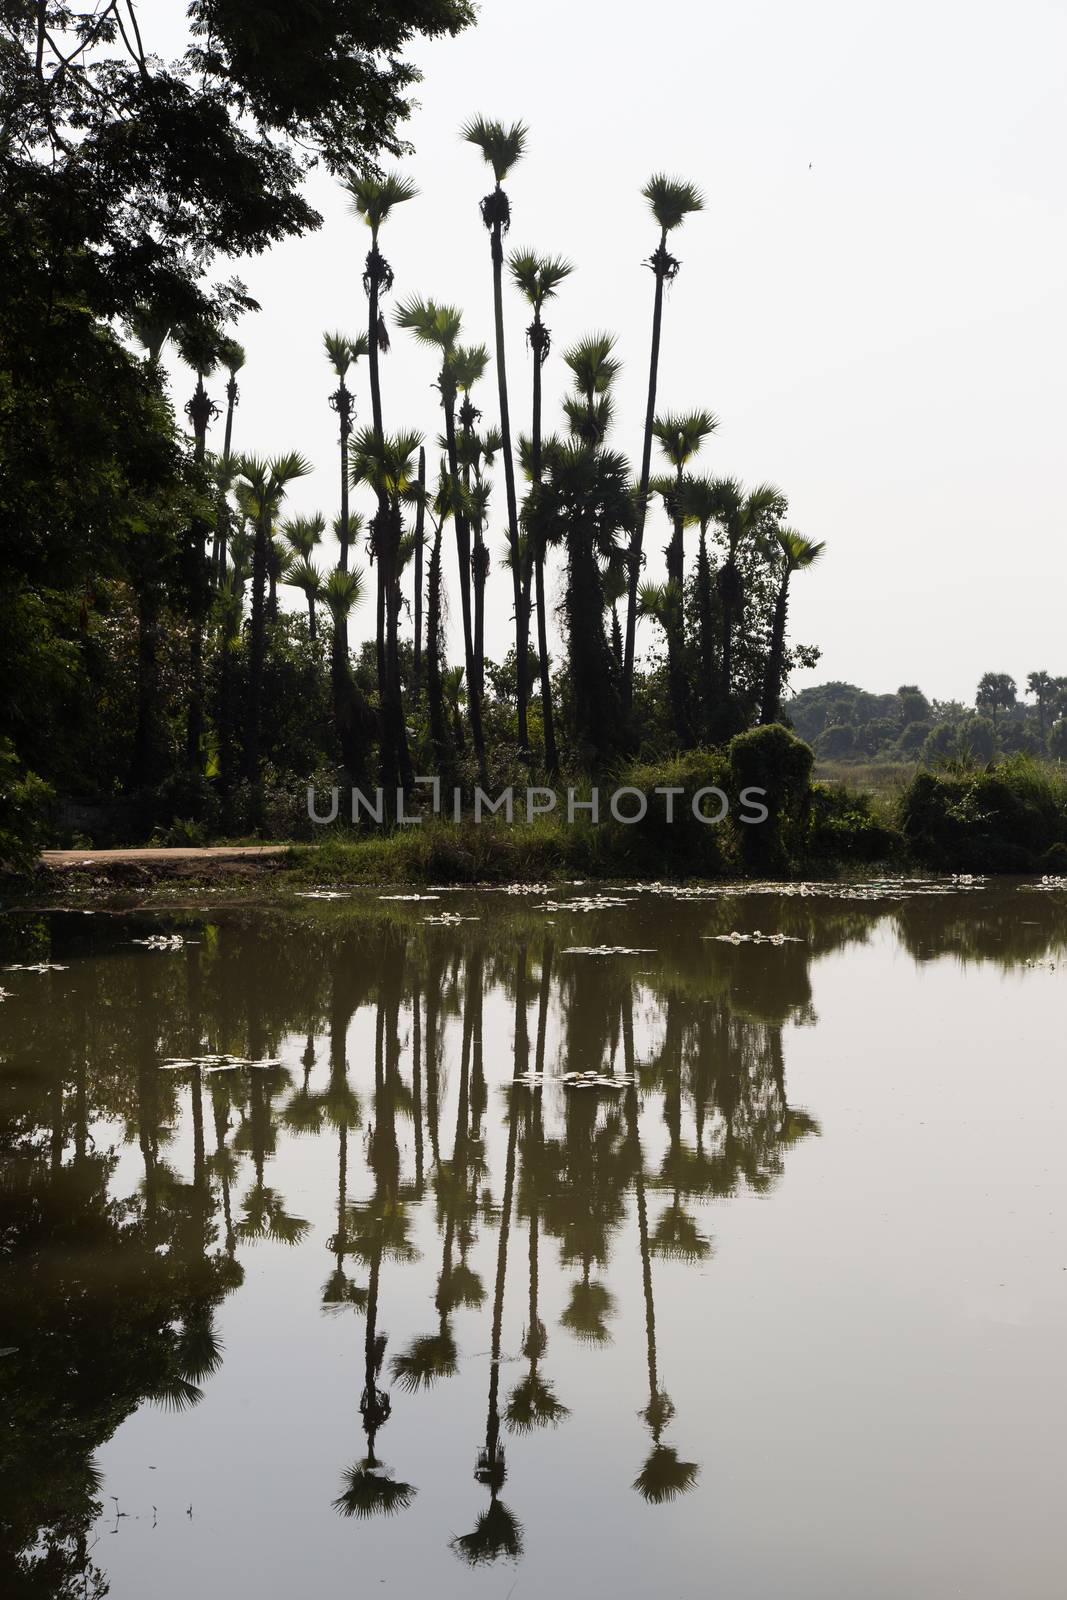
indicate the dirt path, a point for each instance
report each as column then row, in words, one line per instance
column 146, row 856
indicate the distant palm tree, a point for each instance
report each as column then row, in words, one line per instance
column 439, row 325
column 353, row 718
column 797, row 554
column 699, row 501
column 502, row 146
column 672, row 200
column 374, row 198
column 342, row 352
column 420, row 546
column 232, row 359
column 743, row 517
column 539, row 277
column 440, row 509
column 387, row 465
column 304, row 575
column 680, row 437
column 265, row 484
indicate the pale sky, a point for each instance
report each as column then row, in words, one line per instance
column 872, row 301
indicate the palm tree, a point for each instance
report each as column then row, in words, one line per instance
column 373, row 198
column 199, row 348
column 468, row 364
column 232, row 359
column 538, row 277
column 303, row 574
column 672, row 200
column 265, row 484
column 502, row 147
column 743, row 518
column 679, row 437
column 583, row 503
column 341, row 353
column 385, row 464
column 353, row 718
column 228, row 611
column 699, row 504
column 151, row 327
column 1043, row 688
column 420, row 545
column 440, row 509
column 797, row 555
column 439, row 325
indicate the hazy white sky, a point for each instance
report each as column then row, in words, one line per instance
column 872, row 302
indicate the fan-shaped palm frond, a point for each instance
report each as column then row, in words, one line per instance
column 798, row 551
column 592, row 363
column 232, row 356
column 342, row 591
column 370, row 1490
column 426, row 1360
column 538, row 276
column 680, row 435
column 374, row 196
column 151, row 327
column 430, row 321
column 502, row 145
column 198, row 346
column 497, row 1533
column 663, row 1477
column 302, row 574
column 671, row 199
column 303, row 533
column 467, row 364
column 533, row 1404
column 388, row 464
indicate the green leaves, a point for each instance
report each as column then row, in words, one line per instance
column 680, row 435
column 341, row 351
column 798, row 551
column 342, row 591
column 430, row 322
column 592, row 363
column 538, row 276
column 304, row 533
column 374, row 196
column 672, row 199
column 501, row 145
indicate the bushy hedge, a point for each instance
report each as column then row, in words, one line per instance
column 1007, row 818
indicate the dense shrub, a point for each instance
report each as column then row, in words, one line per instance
column 1002, row 819
column 773, row 760
column 25, row 810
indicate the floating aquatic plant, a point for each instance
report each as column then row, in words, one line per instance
column 37, row 966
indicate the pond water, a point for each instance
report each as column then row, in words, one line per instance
column 773, row 1304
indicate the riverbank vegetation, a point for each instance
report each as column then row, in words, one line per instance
column 182, row 651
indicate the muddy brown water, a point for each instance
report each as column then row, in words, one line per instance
column 773, row 1303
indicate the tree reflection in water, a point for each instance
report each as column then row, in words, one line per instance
column 447, row 1139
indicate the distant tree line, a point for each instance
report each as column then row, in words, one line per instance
column 845, row 723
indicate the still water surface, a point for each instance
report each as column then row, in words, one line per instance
column 775, row 1306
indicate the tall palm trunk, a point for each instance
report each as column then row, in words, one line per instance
column 439, row 734
column 659, row 261
column 396, row 731
column 378, row 272
column 218, row 554
column 772, row 681
column 343, row 398
column 706, row 627
column 463, row 550
column 536, row 556
column 257, row 650
column 313, row 625
column 675, row 620
column 420, row 529
column 200, row 410
column 522, row 627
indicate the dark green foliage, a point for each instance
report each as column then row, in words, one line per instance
column 25, row 803
column 773, row 760
column 1004, row 819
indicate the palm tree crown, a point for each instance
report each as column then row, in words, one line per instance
column 502, row 146
column 672, row 200
column 373, row 198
